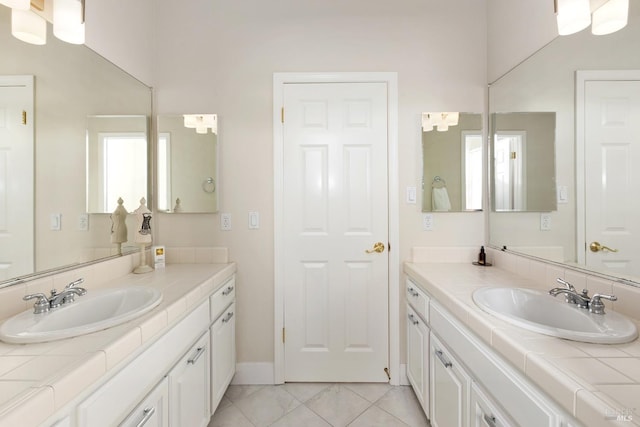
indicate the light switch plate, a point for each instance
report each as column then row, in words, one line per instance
column 55, row 222
column 411, row 195
column 254, row 220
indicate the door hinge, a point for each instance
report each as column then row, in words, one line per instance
column 386, row 371
column 24, row 117
column 282, row 115
column 513, row 155
column 283, row 335
column 389, row 247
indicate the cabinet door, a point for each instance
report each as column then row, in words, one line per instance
column 418, row 357
column 223, row 354
column 484, row 413
column 153, row 410
column 189, row 387
column 449, row 388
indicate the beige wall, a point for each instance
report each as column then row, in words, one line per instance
column 220, row 57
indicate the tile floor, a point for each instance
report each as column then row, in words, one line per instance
column 319, row 405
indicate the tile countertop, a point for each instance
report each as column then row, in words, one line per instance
column 590, row 381
column 36, row 380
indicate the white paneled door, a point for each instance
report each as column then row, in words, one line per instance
column 612, row 175
column 335, row 213
column 16, row 176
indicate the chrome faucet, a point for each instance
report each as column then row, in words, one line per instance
column 67, row 296
column 582, row 300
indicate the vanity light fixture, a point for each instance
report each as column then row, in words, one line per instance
column 201, row 122
column 575, row 15
column 29, row 20
column 28, row 26
column 68, row 20
column 441, row 120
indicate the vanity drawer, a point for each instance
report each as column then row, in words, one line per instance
column 222, row 298
column 418, row 300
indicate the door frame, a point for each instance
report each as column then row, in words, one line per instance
column 582, row 77
column 391, row 79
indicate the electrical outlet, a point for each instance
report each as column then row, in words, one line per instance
column 427, row 222
column 225, row 222
column 545, row 221
column 83, row 222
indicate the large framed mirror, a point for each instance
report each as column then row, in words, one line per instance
column 553, row 80
column 187, row 163
column 71, row 83
column 452, row 159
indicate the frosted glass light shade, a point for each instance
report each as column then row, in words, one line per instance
column 68, row 22
column 573, row 16
column 610, row 17
column 17, row 4
column 28, row 26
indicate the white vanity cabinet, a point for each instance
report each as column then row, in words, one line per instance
column 450, row 386
column 189, row 387
column 223, row 354
column 418, row 344
column 153, row 410
column 418, row 357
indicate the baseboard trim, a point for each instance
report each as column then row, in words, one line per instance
column 253, row 373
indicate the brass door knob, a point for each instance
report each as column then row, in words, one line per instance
column 378, row 248
column 597, row 247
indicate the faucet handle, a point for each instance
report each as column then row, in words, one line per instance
column 565, row 284
column 75, row 283
column 596, row 306
column 41, row 305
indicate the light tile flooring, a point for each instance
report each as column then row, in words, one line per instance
column 319, row 405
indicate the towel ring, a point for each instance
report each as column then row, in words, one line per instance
column 209, row 185
column 438, row 182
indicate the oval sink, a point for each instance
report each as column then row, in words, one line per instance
column 93, row 312
column 539, row 312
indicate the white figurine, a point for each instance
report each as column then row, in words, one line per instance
column 119, row 225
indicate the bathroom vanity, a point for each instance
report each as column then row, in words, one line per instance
column 468, row 367
column 170, row 366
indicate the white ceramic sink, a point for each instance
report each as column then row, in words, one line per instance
column 97, row 310
column 540, row 312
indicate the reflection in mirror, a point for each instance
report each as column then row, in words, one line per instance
column 116, row 162
column 187, row 163
column 451, row 162
column 547, row 82
column 71, row 82
column 524, row 175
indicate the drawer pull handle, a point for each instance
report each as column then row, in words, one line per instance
column 227, row 291
column 148, row 413
column 413, row 320
column 196, row 356
column 229, row 316
column 490, row 420
column 443, row 359
column 413, row 292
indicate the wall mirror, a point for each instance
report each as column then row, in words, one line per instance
column 451, row 162
column 523, row 154
column 187, row 163
column 549, row 81
column 71, row 83
column 116, row 162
